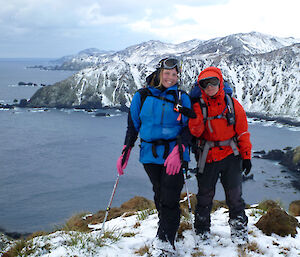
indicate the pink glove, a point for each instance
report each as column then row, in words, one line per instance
column 173, row 162
column 123, row 159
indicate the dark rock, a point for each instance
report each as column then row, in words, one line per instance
column 13, row 235
column 16, row 235
column 290, row 158
column 279, row 222
column 281, row 120
column 6, row 106
column 276, row 155
column 296, row 184
column 101, row 114
column 23, row 103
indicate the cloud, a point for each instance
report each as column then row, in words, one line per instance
column 224, row 18
column 78, row 24
column 93, row 15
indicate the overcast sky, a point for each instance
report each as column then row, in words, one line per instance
column 55, row 28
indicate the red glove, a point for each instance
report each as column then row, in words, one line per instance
column 173, row 161
column 123, row 159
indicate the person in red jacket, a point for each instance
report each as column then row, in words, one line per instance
column 224, row 150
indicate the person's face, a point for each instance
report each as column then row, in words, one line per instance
column 169, row 77
column 211, row 90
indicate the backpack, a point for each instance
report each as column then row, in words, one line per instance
column 145, row 92
column 230, row 116
column 201, row 148
column 196, row 91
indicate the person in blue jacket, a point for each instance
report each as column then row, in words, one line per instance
column 159, row 114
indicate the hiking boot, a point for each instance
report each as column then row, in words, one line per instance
column 239, row 232
column 239, row 237
column 162, row 248
column 203, row 238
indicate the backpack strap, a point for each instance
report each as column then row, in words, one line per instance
column 206, row 145
column 230, row 115
column 203, row 108
column 144, row 92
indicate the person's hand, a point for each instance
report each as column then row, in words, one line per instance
column 173, row 162
column 246, row 166
column 123, row 159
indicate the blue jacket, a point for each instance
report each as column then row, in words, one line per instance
column 156, row 120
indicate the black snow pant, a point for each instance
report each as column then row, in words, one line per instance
column 229, row 170
column 167, row 189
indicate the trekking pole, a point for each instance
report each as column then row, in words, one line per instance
column 109, row 204
column 189, row 204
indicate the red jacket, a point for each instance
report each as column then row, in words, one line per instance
column 221, row 130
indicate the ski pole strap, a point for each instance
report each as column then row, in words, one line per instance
column 210, row 144
column 179, row 143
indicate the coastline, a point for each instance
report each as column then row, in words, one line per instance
column 24, row 103
column 279, row 119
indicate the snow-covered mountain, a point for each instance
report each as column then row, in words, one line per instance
column 262, row 69
column 85, row 58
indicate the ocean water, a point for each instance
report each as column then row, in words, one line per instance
column 13, row 71
column 55, row 163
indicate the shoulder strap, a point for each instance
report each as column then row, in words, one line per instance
column 144, row 92
column 204, row 109
column 230, row 106
column 231, row 112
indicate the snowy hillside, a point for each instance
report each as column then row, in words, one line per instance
column 133, row 234
column 85, row 58
column 263, row 70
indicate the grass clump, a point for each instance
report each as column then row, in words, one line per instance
column 269, row 204
column 253, row 247
column 21, row 248
column 129, row 234
column 143, row 250
column 114, row 235
column 142, row 215
column 296, row 157
column 77, row 223
column 184, row 225
column 198, row 253
column 136, row 225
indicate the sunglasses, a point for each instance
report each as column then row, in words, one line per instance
column 170, row 63
column 213, row 81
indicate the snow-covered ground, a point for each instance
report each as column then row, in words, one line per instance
column 133, row 236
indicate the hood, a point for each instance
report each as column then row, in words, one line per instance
column 212, row 72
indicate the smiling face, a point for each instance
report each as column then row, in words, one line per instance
column 211, row 90
column 169, row 77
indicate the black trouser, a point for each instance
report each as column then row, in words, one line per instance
column 167, row 189
column 229, row 170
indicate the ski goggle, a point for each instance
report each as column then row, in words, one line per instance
column 170, row 63
column 213, row 81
